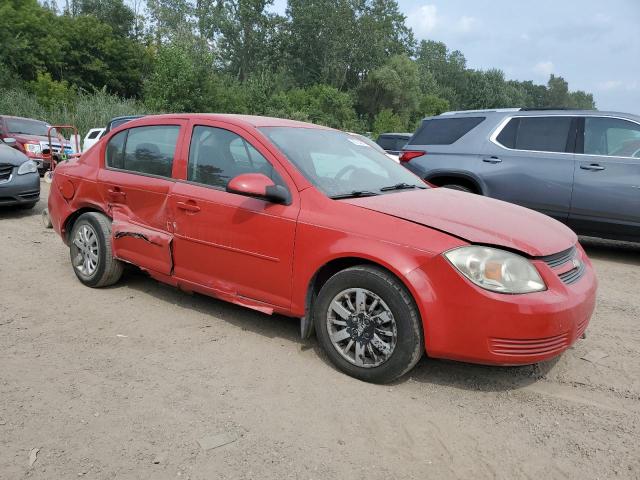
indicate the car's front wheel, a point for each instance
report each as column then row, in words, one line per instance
column 368, row 324
column 90, row 250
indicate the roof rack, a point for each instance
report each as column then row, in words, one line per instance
column 483, row 111
column 535, row 109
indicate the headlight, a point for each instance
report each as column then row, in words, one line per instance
column 28, row 167
column 33, row 148
column 496, row 270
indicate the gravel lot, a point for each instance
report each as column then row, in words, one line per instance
column 128, row 381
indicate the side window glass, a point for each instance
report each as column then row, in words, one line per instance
column 115, row 150
column 543, row 134
column 507, row 136
column 217, row 155
column 611, row 137
column 151, row 149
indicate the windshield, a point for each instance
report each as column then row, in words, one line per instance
column 339, row 164
column 28, row 127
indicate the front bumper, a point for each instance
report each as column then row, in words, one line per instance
column 20, row 189
column 464, row 322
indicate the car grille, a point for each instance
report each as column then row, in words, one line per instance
column 5, row 172
column 559, row 259
column 539, row 346
column 582, row 326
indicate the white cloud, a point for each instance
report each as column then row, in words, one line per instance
column 424, row 20
column 543, row 69
column 466, row 24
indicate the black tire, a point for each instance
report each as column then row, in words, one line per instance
column 409, row 345
column 28, row 206
column 461, row 188
column 108, row 270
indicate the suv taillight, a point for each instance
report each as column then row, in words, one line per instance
column 408, row 155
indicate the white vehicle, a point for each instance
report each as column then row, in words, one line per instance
column 91, row 138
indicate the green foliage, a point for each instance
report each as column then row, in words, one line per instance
column 50, row 93
column 432, row 105
column 387, row 121
column 349, row 64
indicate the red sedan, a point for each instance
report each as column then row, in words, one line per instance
column 292, row 218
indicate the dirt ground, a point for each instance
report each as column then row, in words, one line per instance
column 125, row 382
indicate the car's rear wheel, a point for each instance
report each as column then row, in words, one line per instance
column 461, row 188
column 368, row 324
column 90, row 250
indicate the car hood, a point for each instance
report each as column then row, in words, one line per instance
column 11, row 156
column 476, row 219
column 21, row 137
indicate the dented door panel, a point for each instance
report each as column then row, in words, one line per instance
column 145, row 247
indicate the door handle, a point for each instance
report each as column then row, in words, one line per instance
column 492, row 159
column 188, row 206
column 116, row 193
column 593, row 167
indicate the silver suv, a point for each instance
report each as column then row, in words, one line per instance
column 580, row 167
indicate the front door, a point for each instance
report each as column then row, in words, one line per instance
column 231, row 244
column 606, row 194
column 135, row 184
column 530, row 162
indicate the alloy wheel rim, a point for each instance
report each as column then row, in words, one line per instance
column 362, row 327
column 86, row 255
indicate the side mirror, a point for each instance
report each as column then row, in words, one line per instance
column 10, row 141
column 258, row 185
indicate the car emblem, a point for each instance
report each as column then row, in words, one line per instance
column 576, row 263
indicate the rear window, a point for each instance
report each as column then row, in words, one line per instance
column 392, row 142
column 542, row 134
column 444, row 131
column 93, row 134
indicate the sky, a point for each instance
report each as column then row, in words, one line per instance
column 593, row 44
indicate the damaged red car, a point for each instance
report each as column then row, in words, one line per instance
column 305, row 221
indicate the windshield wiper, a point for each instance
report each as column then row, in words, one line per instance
column 354, row 193
column 399, row 186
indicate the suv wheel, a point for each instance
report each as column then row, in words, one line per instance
column 90, row 250
column 368, row 324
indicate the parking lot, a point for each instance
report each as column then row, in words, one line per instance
column 134, row 380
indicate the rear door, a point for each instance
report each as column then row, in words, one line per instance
column 530, row 162
column 235, row 246
column 606, row 196
column 135, row 184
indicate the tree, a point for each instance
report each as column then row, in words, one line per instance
column 393, row 86
column 557, row 95
column 387, row 121
column 114, row 13
column 180, row 81
column 249, row 36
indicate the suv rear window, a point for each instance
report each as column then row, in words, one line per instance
column 391, row 142
column 444, row 131
column 542, row 134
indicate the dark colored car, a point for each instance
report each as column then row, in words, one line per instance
column 302, row 220
column 393, row 142
column 31, row 138
column 579, row 167
column 19, row 179
column 117, row 121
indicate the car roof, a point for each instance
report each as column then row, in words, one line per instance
column 254, row 121
column 24, row 118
